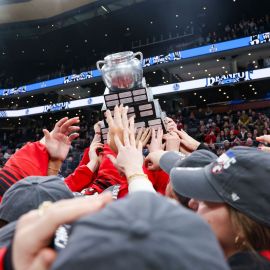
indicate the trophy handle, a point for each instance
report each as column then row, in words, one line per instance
column 100, row 63
column 140, row 55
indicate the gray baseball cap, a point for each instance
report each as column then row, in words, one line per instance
column 29, row 193
column 142, row 231
column 198, row 158
column 239, row 177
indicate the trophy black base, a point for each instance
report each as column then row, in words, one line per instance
column 146, row 110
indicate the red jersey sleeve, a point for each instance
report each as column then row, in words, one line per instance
column 79, row 179
column 32, row 159
column 159, row 179
column 85, row 159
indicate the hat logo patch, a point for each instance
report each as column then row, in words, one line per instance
column 235, row 197
column 224, row 162
column 61, row 237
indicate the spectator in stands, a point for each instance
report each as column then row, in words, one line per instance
column 244, row 119
column 243, row 134
column 210, row 138
column 223, row 136
column 249, row 142
column 208, row 112
column 232, row 136
column 8, row 154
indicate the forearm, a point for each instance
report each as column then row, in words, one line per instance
column 92, row 165
column 138, row 181
column 54, row 167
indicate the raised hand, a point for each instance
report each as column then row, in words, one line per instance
column 129, row 160
column 172, row 141
column 93, row 156
column 156, row 140
column 143, row 135
column 117, row 124
column 170, row 124
column 263, row 139
column 187, row 143
column 152, row 160
column 58, row 141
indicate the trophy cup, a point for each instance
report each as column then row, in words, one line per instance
column 122, row 74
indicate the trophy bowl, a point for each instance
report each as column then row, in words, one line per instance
column 122, row 71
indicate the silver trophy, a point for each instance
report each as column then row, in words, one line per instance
column 122, row 71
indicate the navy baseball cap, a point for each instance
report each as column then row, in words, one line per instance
column 239, row 177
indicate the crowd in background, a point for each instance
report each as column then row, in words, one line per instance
column 218, row 131
column 245, row 28
column 222, row 131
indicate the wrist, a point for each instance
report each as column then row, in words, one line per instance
column 92, row 165
column 196, row 145
column 174, row 148
column 55, row 163
column 54, row 167
column 133, row 171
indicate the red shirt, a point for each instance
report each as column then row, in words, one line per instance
column 32, row 159
column 108, row 175
column 210, row 139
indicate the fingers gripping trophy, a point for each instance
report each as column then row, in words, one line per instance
column 122, row 74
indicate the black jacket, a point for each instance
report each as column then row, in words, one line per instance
column 248, row 261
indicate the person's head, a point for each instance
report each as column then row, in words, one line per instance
column 29, row 193
column 249, row 142
column 222, row 133
column 249, row 135
column 226, row 144
column 243, row 130
column 202, row 129
column 232, row 132
column 171, row 161
column 142, row 231
column 232, row 195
